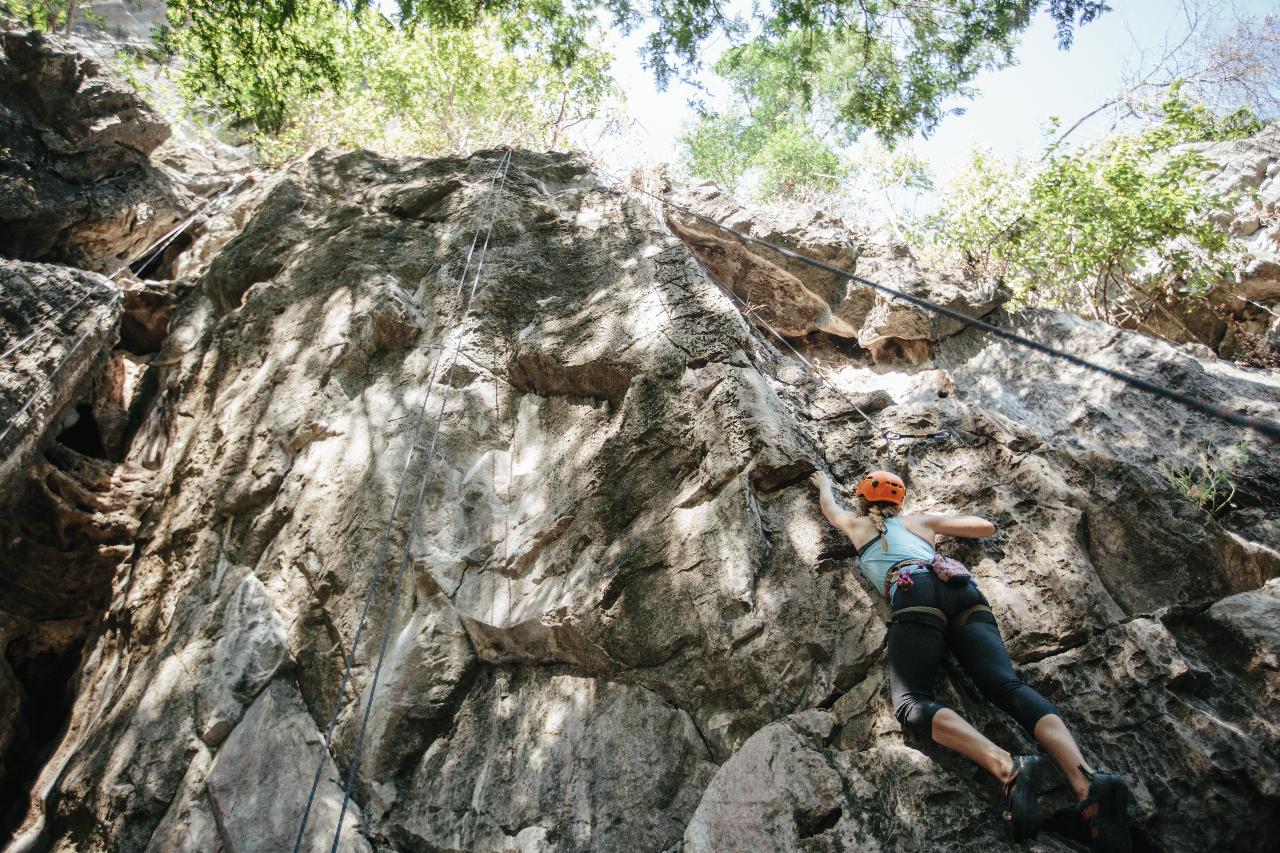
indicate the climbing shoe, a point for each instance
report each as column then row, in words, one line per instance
column 1021, row 807
column 1106, row 813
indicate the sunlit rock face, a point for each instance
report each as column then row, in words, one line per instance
column 1251, row 168
column 621, row 608
column 796, row 299
column 1239, row 319
column 621, row 622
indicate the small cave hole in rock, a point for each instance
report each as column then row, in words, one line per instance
column 809, row 824
column 82, row 434
column 44, row 676
column 160, row 264
column 827, row 347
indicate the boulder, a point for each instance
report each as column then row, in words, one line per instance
column 797, row 299
column 56, row 324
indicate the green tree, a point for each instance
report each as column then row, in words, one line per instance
column 48, row 15
column 884, row 64
column 1108, row 231
column 446, row 91
column 887, row 67
column 257, row 59
column 308, row 72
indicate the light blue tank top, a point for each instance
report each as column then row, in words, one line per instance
column 875, row 561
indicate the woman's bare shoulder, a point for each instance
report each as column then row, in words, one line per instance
column 859, row 529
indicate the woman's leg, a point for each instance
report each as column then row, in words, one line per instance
column 915, row 652
column 952, row 731
column 981, row 651
column 1056, row 739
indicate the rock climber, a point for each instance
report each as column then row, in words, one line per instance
column 896, row 553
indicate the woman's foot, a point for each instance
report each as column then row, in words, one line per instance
column 1021, row 807
column 1106, row 813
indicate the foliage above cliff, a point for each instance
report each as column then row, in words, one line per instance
column 882, row 65
column 801, row 91
column 308, row 72
column 1103, row 230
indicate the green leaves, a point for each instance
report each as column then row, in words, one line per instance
column 307, row 72
column 1114, row 232
column 822, row 74
column 256, row 58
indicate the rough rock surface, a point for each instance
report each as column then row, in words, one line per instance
column 1241, row 320
column 1251, row 167
column 797, row 299
column 622, row 623
column 76, row 184
column 621, row 605
column 54, row 321
column 128, row 20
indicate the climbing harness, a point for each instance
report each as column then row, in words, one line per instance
column 459, row 309
column 150, row 254
column 1260, row 425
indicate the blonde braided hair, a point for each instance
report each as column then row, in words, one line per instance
column 878, row 512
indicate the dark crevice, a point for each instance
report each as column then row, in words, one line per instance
column 160, row 264
column 809, row 824
column 1069, row 826
column 60, row 548
column 44, row 672
column 83, row 435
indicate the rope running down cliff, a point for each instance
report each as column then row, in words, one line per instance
column 495, row 187
column 1260, row 425
column 888, row 435
column 413, row 519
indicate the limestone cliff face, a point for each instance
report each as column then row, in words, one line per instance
column 624, row 624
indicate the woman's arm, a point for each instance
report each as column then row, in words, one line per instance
column 839, row 517
column 964, row 526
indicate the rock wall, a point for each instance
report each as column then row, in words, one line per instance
column 77, row 185
column 623, row 623
column 1240, row 320
column 796, row 300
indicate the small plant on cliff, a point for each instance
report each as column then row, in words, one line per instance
column 45, row 15
column 1209, row 481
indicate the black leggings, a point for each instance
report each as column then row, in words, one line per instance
column 932, row 616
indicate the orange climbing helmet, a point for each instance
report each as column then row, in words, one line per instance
column 882, row 486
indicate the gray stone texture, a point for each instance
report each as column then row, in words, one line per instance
column 621, row 609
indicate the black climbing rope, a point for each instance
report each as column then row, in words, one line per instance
column 495, row 185
column 1260, row 425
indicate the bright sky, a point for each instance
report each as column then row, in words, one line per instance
column 1009, row 112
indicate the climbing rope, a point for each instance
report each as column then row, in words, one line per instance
column 413, row 523
column 494, row 190
column 1260, row 425
column 13, row 421
column 150, row 254
column 888, row 435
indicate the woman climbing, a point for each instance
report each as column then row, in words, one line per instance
column 930, row 615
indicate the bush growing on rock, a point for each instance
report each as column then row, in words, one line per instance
column 1113, row 231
